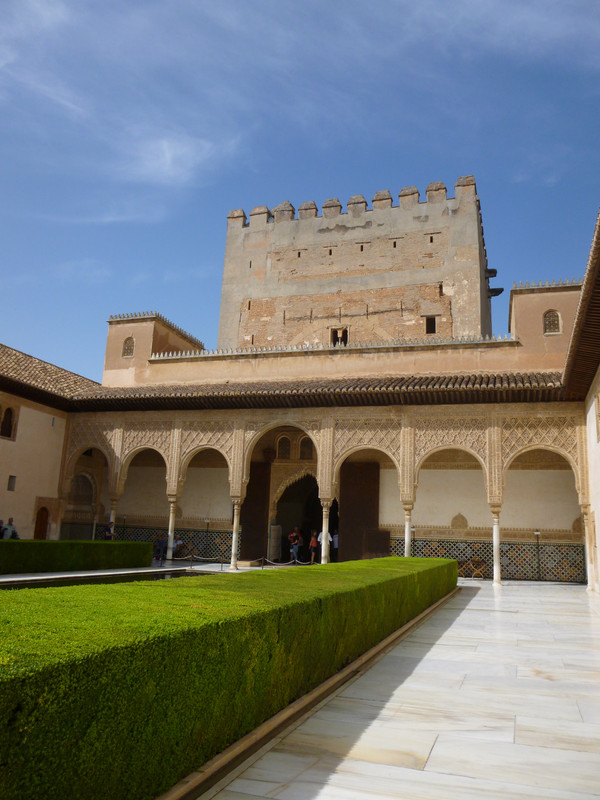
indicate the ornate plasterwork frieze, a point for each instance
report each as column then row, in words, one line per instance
column 154, row 434
column 215, row 434
column 521, row 433
column 88, row 432
column 359, row 434
column 433, row 433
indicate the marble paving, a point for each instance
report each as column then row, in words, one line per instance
column 495, row 696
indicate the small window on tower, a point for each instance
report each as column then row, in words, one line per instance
column 339, row 336
column 551, row 322
column 430, row 325
column 128, row 347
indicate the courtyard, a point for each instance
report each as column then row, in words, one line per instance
column 496, row 695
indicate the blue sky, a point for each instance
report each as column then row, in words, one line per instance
column 129, row 129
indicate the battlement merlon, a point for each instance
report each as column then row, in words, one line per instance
column 465, row 192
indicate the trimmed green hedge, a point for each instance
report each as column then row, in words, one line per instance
column 33, row 555
column 119, row 691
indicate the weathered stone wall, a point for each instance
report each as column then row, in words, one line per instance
column 377, row 274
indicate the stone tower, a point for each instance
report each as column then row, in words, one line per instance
column 391, row 272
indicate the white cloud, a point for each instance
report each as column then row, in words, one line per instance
column 170, row 159
column 161, row 94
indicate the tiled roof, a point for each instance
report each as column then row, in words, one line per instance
column 28, row 376
column 398, row 390
column 46, row 383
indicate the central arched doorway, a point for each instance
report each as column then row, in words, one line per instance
column 299, row 507
column 281, row 458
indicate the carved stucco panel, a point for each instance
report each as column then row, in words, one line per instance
column 562, row 433
column 219, row 435
column 407, row 465
column 519, row 433
column 87, row 433
column 325, row 462
column 494, row 460
column 155, row 434
column 381, row 434
column 436, row 432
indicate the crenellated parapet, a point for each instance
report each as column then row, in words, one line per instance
column 385, row 269
column 408, row 198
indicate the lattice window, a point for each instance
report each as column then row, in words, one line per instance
column 306, row 449
column 283, row 448
column 128, row 347
column 552, row 322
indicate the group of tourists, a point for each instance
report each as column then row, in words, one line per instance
column 297, row 550
column 8, row 531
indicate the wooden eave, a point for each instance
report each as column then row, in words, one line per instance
column 583, row 356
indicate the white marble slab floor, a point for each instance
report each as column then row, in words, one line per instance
column 497, row 695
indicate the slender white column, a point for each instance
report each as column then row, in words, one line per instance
column 407, row 531
column 171, row 535
column 113, row 511
column 496, row 546
column 94, row 526
column 325, row 537
column 235, row 535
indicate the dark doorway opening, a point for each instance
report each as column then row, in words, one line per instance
column 41, row 523
column 359, row 534
column 299, row 507
column 254, row 514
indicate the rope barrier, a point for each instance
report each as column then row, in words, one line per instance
column 277, row 565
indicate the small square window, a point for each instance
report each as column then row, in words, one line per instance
column 430, row 325
column 12, row 483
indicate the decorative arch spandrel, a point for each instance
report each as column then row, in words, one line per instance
column 560, row 433
column 92, row 433
column 153, row 435
column 437, row 433
column 355, row 434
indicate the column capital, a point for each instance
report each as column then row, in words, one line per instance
column 495, row 509
column 408, row 507
column 326, row 502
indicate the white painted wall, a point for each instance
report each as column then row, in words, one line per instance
column 442, row 494
column 532, row 498
column 34, row 458
column 390, row 505
column 539, row 499
column 145, row 493
column 206, row 493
